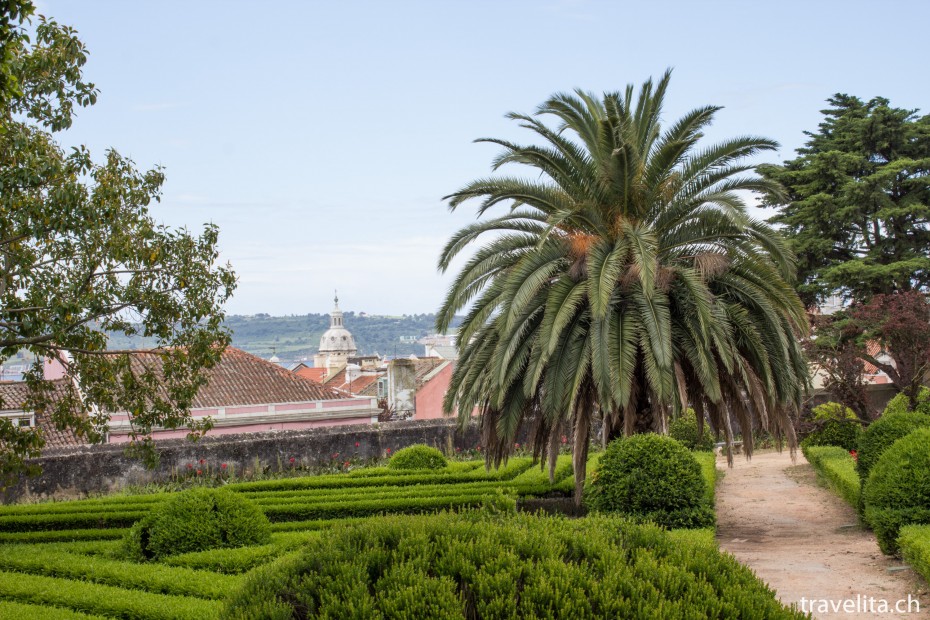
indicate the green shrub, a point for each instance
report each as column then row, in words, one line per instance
column 68, row 521
column 418, row 457
column 914, row 542
column 901, row 404
column 833, row 411
column 836, row 426
column 837, row 467
column 841, row 433
column 151, row 577
column 651, row 477
column 521, row 566
column 104, row 600
column 882, row 433
column 197, row 520
column 685, row 429
column 897, row 492
column 62, row 535
column 25, row 611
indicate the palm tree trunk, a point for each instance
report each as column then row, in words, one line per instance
column 553, row 451
column 582, row 439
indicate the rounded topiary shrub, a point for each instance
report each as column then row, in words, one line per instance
column 901, row 403
column 418, row 457
column 197, row 520
column 650, row 478
column 882, row 433
column 474, row 565
column 897, row 492
column 835, row 425
column 685, row 429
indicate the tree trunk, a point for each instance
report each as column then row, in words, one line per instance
column 580, row 450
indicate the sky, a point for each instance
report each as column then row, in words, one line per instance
column 321, row 136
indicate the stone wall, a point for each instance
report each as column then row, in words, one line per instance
column 77, row 472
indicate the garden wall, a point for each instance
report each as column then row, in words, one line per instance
column 77, row 472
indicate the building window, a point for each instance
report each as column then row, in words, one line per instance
column 382, row 387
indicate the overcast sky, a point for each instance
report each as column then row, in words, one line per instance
column 321, row 137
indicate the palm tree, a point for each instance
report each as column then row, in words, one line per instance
column 624, row 282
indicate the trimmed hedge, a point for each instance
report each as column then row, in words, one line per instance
column 104, row 600
column 368, row 507
column 67, row 521
column 685, row 429
column 708, row 463
column 651, row 477
column 418, row 457
column 151, row 578
column 882, row 433
column 226, row 561
column 514, row 467
column 197, row 520
column 897, row 492
column 521, row 566
column 914, row 542
column 24, row 611
column 62, row 535
column 836, row 466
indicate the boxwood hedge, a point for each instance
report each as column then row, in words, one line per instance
column 197, row 520
column 897, row 492
column 882, row 433
column 475, row 565
column 651, row 477
column 417, row 457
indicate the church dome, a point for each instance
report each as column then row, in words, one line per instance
column 337, row 339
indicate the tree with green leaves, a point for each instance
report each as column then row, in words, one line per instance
column 623, row 281
column 856, row 205
column 856, row 211
column 81, row 257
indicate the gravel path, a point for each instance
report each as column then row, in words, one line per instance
column 804, row 541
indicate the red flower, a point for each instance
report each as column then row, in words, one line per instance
column 189, row 466
column 346, row 464
column 388, row 450
column 223, row 466
column 854, row 455
column 335, row 456
column 478, row 448
column 564, row 439
column 199, row 472
column 356, row 444
column 517, row 446
column 202, row 461
column 292, row 459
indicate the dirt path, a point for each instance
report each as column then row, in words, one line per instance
column 804, row 541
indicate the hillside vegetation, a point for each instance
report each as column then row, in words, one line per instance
column 298, row 336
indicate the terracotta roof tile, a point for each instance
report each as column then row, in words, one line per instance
column 314, row 374
column 241, row 378
column 13, row 397
column 426, row 365
column 358, row 384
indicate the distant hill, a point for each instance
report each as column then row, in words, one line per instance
column 297, row 337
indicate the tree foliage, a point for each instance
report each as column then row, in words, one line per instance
column 857, row 206
column 80, row 256
column 623, row 281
